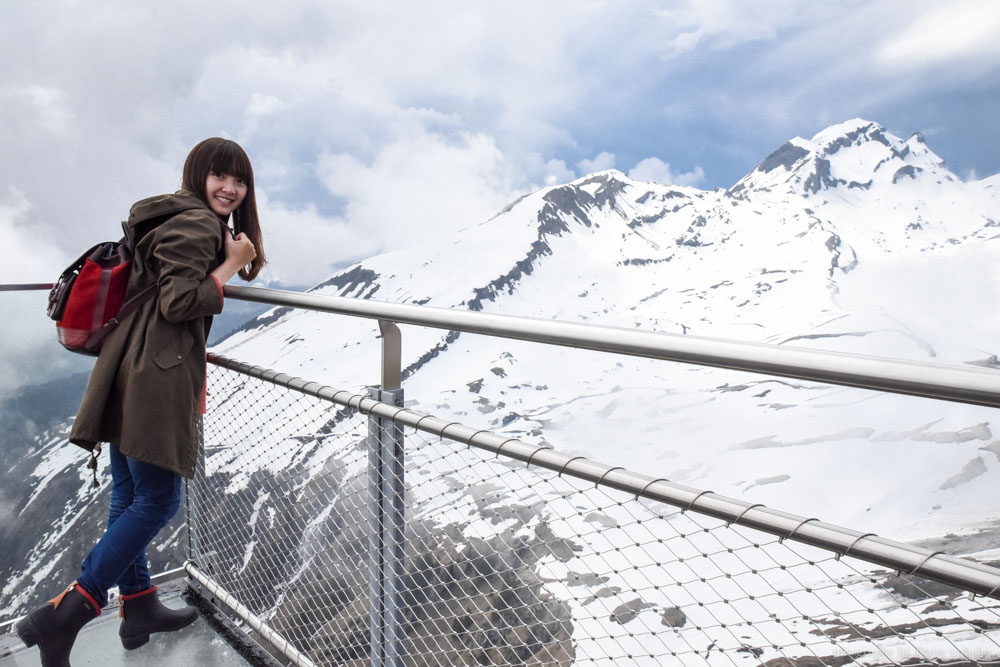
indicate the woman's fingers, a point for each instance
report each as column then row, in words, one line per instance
column 240, row 248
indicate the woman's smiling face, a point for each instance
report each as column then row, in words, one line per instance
column 224, row 192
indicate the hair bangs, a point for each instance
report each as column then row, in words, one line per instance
column 229, row 158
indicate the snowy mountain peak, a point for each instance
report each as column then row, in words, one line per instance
column 854, row 154
column 854, row 132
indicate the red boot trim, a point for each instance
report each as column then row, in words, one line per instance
column 131, row 596
column 139, row 594
column 90, row 598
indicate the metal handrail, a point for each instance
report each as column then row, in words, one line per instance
column 961, row 384
column 968, row 575
column 976, row 386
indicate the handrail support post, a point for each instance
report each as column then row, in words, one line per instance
column 191, row 493
column 386, row 534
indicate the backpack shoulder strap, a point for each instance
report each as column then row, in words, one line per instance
column 97, row 338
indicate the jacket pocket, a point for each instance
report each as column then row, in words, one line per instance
column 174, row 349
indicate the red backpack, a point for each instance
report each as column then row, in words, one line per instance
column 88, row 300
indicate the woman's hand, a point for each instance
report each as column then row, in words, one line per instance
column 239, row 253
column 240, row 249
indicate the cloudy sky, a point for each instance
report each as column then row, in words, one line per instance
column 375, row 125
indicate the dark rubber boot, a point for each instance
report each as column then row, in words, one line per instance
column 143, row 614
column 54, row 627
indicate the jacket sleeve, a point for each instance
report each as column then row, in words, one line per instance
column 185, row 250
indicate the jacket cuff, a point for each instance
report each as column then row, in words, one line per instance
column 222, row 296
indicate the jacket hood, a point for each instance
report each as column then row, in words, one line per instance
column 164, row 206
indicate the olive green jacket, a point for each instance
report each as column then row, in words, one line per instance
column 145, row 389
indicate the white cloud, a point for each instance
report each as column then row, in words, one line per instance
column 556, row 172
column 418, row 187
column 951, row 32
column 720, row 24
column 601, row 162
column 303, row 246
column 45, row 104
column 494, row 87
column 30, row 351
column 655, row 170
column 28, row 256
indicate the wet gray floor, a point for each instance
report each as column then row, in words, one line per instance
column 98, row 645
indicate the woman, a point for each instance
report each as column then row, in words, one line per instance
column 147, row 389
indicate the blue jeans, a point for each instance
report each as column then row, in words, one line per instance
column 144, row 497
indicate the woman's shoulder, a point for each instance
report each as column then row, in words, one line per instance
column 183, row 207
column 168, row 205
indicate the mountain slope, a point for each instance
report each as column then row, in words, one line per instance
column 814, row 248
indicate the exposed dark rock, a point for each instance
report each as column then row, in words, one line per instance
column 610, row 188
column 835, row 246
column 430, row 354
column 653, row 295
column 785, row 156
column 466, row 601
column 510, row 279
column 989, row 362
column 264, row 320
column 569, row 200
column 351, row 282
column 673, row 617
column 871, row 131
column 811, row 661
column 838, row 630
column 628, row 611
column 821, row 178
column 903, row 172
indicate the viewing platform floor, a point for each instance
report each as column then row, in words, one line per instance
column 98, row 644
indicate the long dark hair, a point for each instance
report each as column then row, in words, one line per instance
column 228, row 157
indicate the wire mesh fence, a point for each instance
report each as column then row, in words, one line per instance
column 512, row 564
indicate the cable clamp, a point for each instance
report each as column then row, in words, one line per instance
column 924, row 561
column 607, row 472
column 737, row 519
column 693, row 501
column 530, row 456
column 854, row 544
column 642, row 491
column 568, row 463
column 796, row 529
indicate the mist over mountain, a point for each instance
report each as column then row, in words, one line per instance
column 853, row 240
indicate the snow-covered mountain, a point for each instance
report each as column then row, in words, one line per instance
column 854, row 240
